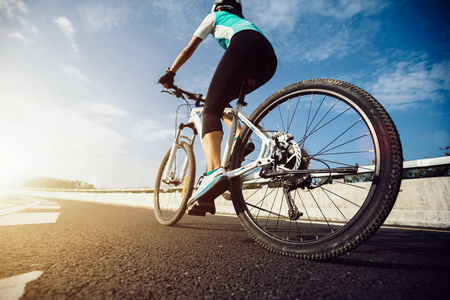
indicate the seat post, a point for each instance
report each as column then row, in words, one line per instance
column 245, row 85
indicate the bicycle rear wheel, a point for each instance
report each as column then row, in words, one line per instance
column 173, row 192
column 336, row 125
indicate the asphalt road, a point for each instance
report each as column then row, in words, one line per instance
column 96, row 251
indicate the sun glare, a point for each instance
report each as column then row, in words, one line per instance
column 13, row 169
column 20, row 153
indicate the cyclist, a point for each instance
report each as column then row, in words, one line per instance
column 249, row 59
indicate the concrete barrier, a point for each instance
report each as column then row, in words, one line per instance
column 421, row 202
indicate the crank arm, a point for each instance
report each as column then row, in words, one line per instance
column 172, row 181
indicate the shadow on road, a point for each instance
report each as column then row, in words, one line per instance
column 409, row 250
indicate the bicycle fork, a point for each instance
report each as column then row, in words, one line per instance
column 170, row 174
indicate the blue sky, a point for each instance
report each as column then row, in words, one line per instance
column 78, row 92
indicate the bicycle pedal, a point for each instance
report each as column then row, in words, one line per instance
column 200, row 210
column 196, row 212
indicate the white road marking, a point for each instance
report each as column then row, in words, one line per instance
column 10, row 212
column 14, row 287
column 47, row 206
column 28, row 218
column 13, row 209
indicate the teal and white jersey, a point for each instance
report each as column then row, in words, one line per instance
column 223, row 25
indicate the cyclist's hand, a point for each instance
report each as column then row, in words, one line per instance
column 167, row 79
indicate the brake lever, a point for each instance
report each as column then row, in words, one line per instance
column 175, row 92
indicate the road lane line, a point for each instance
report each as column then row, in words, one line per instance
column 29, row 210
column 47, row 206
column 11, row 210
column 28, row 218
column 13, row 288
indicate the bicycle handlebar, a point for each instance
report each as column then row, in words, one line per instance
column 180, row 93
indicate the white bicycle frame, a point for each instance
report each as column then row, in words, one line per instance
column 264, row 156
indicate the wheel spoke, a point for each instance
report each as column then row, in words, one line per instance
column 317, row 128
column 293, row 114
column 281, row 118
column 339, row 136
column 341, row 197
column 343, row 144
column 305, row 212
column 171, row 195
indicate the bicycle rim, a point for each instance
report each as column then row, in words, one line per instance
column 336, row 125
column 172, row 193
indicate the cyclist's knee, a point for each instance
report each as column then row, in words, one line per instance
column 211, row 122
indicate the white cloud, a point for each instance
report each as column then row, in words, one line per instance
column 68, row 30
column 274, row 15
column 66, row 27
column 337, row 45
column 180, row 17
column 287, row 15
column 11, row 7
column 100, row 16
column 14, row 11
column 103, row 113
column 168, row 17
column 315, row 30
column 343, row 9
column 151, row 130
column 73, row 71
column 104, row 109
column 16, row 35
column 27, row 28
column 412, row 83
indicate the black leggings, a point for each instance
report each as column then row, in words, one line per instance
column 249, row 55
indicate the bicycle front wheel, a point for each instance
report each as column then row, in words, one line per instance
column 352, row 158
column 174, row 184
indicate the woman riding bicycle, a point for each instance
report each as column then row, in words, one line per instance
column 249, row 60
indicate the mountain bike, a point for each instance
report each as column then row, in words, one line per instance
column 324, row 176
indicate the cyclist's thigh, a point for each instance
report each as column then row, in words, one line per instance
column 249, row 55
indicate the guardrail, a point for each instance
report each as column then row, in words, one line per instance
column 407, row 165
column 427, row 163
column 422, row 202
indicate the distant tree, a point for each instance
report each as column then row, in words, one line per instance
column 363, row 177
column 443, row 171
column 445, row 151
column 52, row 183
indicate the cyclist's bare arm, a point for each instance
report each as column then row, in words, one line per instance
column 183, row 57
column 187, row 52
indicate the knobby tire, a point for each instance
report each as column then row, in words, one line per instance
column 170, row 199
column 334, row 220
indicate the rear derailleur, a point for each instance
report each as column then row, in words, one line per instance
column 290, row 183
